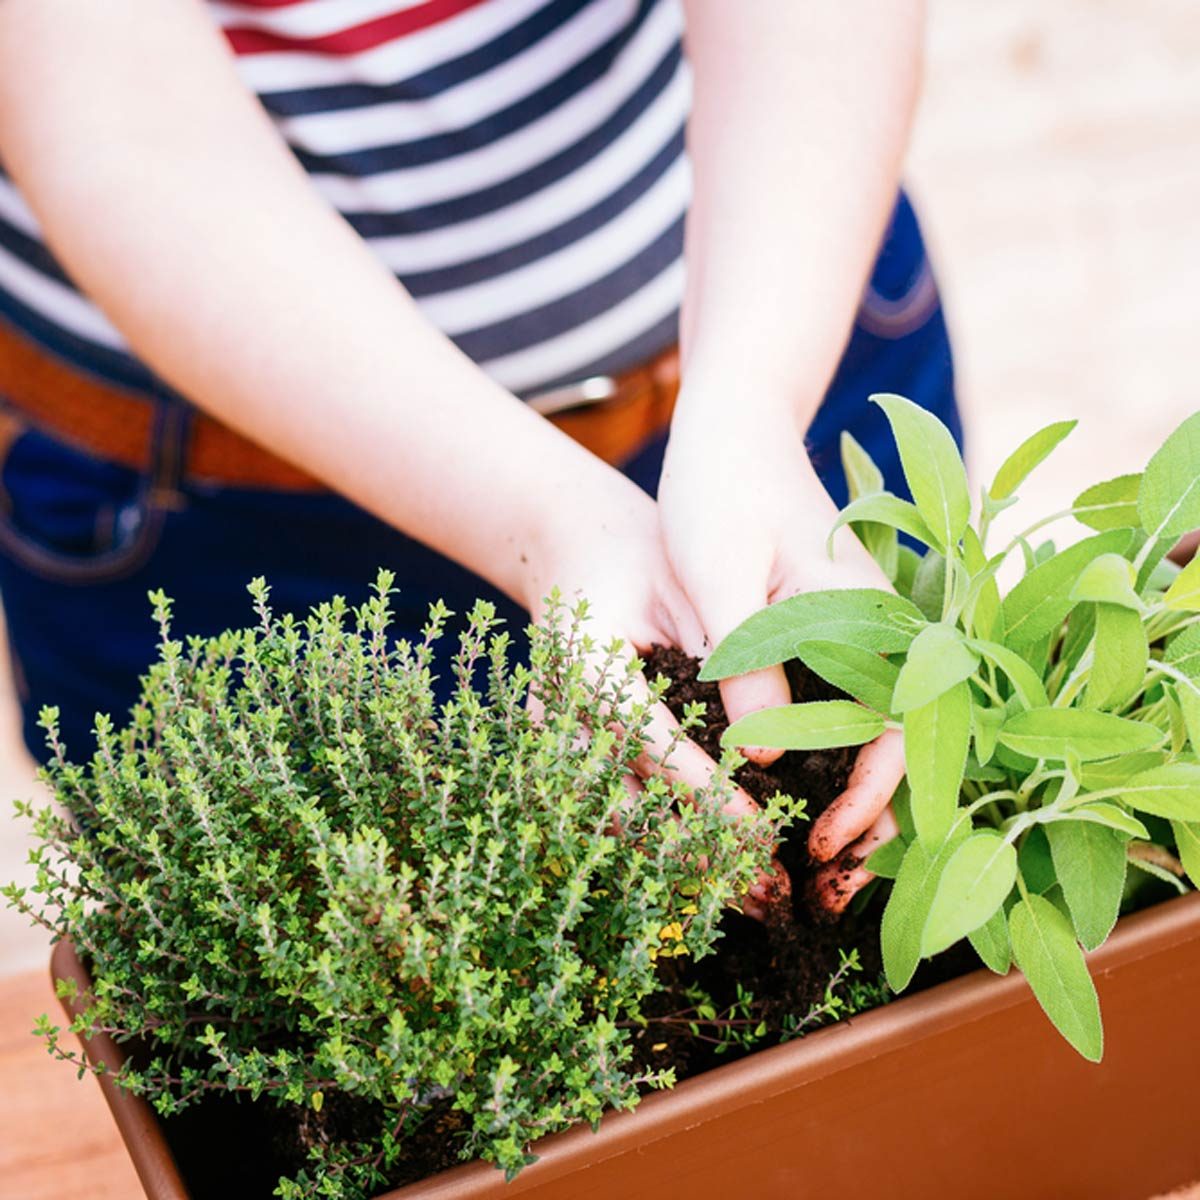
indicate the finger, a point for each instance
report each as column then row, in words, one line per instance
column 838, row 883
column 745, row 694
column 877, row 771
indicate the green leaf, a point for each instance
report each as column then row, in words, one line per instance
column 936, row 738
column 1089, row 860
column 865, row 617
column 882, row 508
column 1189, row 706
column 928, row 585
column 1119, row 657
column 1102, row 813
column 1183, row 652
column 885, row 862
column 1029, row 454
column 1100, row 776
column 863, row 476
column 1159, row 872
column 1057, row 732
column 908, row 908
column 1035, row 863
column 1169, row 499
column 1040, row 601
column 863, row 674
column 814, row 726
column 1027, row 684
column 982, row 611
column 938, row 658
column 907, row 562
column 1108, row 579
column 1110, row 505
column 933, row 467
column 1184, row 594
column 985, row 727
column 1045, row 949
column 991, row 942
column 1171, row 791
column 1187, row 843
column 973, row 885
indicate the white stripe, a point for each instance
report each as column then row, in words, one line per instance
column 60, row 305
column 471, row 101
column 525, row 218
column 317, row 18
column 391, row 62
column 559, row 356
column 570, row 269
column 17, row 213
column 536, row 142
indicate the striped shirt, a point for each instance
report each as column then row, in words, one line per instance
column 519, row 166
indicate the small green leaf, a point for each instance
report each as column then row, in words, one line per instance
column 1100, row 776
column 818, row 725
column 1119, row 657
column 1025, row 680
column 1171, row 791
column 1189, row 706
column 932, row 466
column 991, row 942
column 885, row 862
column 1102, row 813
column 1169, row 498
column 863, row 476
column 1110, row 505
column 1187, row 843
column 928, row 585
column 1184, row 594
column 863, row 674
column 1108, row 579
column 985, row 727
column 869, row 618
column 938, row 658
column 973, row 885
column 982, row 609
column 936, row 739
column 1038, row 603
column 1028, row 455
column 1089, row 860
column 907, row 562
column 1183, row 652
column 1045, row 949
column 1056, row 732
column 1035, row 863
column 882, row 508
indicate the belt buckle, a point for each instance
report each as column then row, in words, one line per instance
column 591, row 390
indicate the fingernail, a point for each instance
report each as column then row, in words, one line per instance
column 754, row 912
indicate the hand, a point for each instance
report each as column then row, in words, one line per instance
column 745, row 521
column 605, row 545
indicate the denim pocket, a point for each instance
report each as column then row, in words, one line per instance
column 72, row 518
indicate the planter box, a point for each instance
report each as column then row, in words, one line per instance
column 951, row 1091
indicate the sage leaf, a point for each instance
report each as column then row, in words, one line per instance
column 1089, row 860
column 991, row 942
column 1101, row 776
column 973, row 885
column 863, row 475
column 1171, row 791
column 1056, row 733
column 1119, row 657
column 932, row 466
column 1189, row 706
column 982, row 608
column 985, row 727
column 1045, row 949
column 1169, row 498
column 1039, row 602
column 1108, row 579
column 1110, row 505
column 818, row 725
column 907, row 562
column 1035, row 862
column 908, row 908
column 928, row 586
column 1187, row 843
column 882, row 508
column 936, row 739
column 1026, row 682
column 886, row 860
column 869, row 618
column 938, row 658
column 1184, row 593
column 863, row 674
column 1101, row 812
column 1034, row 450
column 1183, row 651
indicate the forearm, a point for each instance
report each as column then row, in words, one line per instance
column 168, row 196
column 798, row 129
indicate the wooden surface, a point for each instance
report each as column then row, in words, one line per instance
column 57, row 1140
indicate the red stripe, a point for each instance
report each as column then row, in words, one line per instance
column 355, row 40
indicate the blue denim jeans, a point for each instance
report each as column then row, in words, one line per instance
column 82, row 541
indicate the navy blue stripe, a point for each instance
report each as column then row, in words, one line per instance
column 509, row 191
column 565, row 313
column 32, row 253
column 110, row 366
column 489, row 266
column 433, row 81
column 496, row 125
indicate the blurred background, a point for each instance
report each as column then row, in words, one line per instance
column 1056, row 165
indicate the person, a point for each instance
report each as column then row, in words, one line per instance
column 298, row 288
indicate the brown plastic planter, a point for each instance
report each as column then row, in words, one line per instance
column 961, row 1091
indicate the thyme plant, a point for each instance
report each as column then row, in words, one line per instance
column 295, row 877
column 1051, row 734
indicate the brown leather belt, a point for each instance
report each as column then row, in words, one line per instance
column 613, row 417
